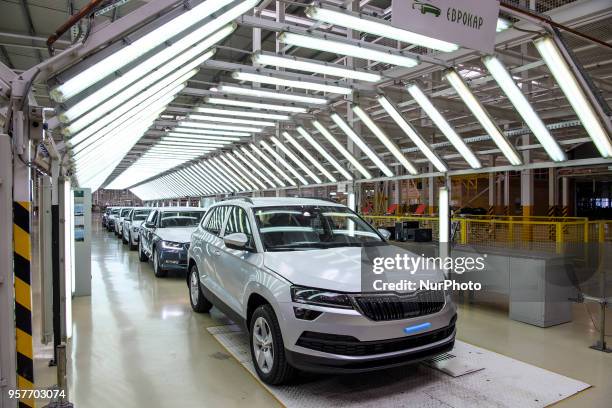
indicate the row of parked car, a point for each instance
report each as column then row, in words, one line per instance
column 289, row 270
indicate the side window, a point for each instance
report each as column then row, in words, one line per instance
column 214, row 221
column 151, row 217
column 238, row 221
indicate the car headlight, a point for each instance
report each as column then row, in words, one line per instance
column 320, row 297
column 171, row 245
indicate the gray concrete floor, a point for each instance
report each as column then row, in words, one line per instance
column 136, row 343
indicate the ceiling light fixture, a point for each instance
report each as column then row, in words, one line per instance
column 350, row 132
column 443, row 125
column 377, row 27
column 273, row 80
column 575, row 95
column 317, row 67
column 416, row 138
column 483, row 117
column 347, row 155
column 239, row 113
column 260, row 93
column 295, row 159
column 524, row 108
column 385, row 139
column 284, row 162
column 324, row 153
column 256, row 105
column 342, row 48
column 309, row 157
column 208, row 118
column 212, row 126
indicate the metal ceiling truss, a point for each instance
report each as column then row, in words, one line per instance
column 338, row 129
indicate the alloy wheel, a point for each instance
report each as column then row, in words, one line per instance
column 263, row 345
column 194, row 287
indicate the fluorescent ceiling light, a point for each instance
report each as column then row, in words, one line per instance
column 244, row 171
column 347, row 155
column 381, row 28
column 264, row 168
column 361, row 144
column 575, row 95
column 136, row 88
column 141, row 46
column 200, row 144
column 284, row 162
column 240, row 173
column 256, row 105
column 212, row 126
column 272, row 164
column 308, row 156
column 412, row 133
column 315, row 67
column 239, row 113
column 313, row 86
column 186, row 131
column 342, row 48
column 295, row 159
column 188, row 137
column 443, row 125
column 260, row 93
column 524, row 108
column 324, row 153
column 208, row 118
column 382, row 136
column 122, row 82
column 483, row 117
column 234, row 176
column 251, row 166
column 222, row 177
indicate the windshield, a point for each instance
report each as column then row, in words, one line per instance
column 140, row 215
column 125, row 212
column 313, row 227
column 180, row 218
column 115, row 211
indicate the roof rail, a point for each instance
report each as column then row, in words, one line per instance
column 247, row 199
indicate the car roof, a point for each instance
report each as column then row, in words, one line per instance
column 278, row 201
column 180, row 209
column 143, row 208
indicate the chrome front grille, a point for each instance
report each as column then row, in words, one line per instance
column 382, row 307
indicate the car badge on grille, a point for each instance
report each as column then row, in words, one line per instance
column 417, row 328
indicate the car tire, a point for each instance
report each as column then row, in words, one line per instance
column 142, row 257
column 198, row 301
column 264, row 327
column 157, row 269
column 132, row 246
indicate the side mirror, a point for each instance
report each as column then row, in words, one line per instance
column 386, row 234
column 149, row 224
column 237, row 240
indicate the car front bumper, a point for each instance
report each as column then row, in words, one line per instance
column 344, row 340
column 173, row 259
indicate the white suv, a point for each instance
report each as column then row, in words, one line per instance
column 289, row 271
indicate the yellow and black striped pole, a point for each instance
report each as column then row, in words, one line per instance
column 23, row 298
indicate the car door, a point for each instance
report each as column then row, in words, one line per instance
column 210, row 245
column 235, row 266
column 147, row 232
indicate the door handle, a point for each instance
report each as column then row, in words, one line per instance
column 217, row 252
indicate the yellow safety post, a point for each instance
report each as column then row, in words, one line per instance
column 601, row 232
column 559, row 237
column 463, row 230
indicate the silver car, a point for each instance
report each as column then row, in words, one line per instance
column 123, row 213
column 132, row 224
column 289, row 271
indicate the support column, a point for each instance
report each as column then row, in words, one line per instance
column 506, row 193
column 553, row 200
column 565, row 203
column 7, row 306
column 492, row 185
column 431, row 192
column 527, row 182
column 22, row 256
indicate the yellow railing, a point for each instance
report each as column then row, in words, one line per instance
column 534, row 233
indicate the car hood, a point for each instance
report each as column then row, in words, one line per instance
column 338, row 269
column 176, row 234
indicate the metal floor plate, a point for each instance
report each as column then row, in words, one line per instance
column 498, row 381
